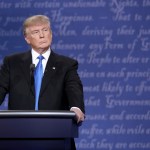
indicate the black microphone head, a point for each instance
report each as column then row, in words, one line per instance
column 32, row 67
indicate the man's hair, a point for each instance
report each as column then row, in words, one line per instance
column 35, row 20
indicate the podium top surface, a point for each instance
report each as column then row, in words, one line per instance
column 51, row 114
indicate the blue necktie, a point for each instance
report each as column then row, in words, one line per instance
column 38, row 74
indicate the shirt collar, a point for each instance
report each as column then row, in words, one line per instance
column 35, row 54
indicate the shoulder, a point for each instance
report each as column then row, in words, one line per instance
column 63, row 59
column 18, row 55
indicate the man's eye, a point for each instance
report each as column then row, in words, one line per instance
column 45, row 29
column 34, row 32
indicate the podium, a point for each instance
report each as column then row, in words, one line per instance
column 37, row 130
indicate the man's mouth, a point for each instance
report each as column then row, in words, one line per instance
column 43, row 42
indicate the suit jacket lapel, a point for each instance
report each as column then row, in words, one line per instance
column 25, row 66
column 49, row 71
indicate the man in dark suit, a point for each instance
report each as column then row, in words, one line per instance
column 61, row 88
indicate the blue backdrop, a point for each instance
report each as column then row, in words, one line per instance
column 110, row 40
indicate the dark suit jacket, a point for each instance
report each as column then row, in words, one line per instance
column 61, row 86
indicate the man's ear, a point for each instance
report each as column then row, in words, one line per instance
column 27, row 39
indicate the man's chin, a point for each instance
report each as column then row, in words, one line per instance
column 42, row 50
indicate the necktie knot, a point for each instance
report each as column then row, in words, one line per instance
column 40, row 57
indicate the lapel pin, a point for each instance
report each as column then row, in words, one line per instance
column 53, row 68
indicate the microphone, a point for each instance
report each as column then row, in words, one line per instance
column 32, row 68
column 31, row 83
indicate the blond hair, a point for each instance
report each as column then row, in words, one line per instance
column 35, row 20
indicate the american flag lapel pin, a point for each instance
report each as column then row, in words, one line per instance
column 53, row 68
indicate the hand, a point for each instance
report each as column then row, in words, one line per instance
column 79, row 114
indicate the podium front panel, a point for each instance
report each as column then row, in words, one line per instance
column 38, row 125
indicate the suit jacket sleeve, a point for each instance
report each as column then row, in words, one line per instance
column 74, row 88
column 4, row 80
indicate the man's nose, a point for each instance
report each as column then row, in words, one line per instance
column 41, row 34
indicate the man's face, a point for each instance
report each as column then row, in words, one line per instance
column 39, row 37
